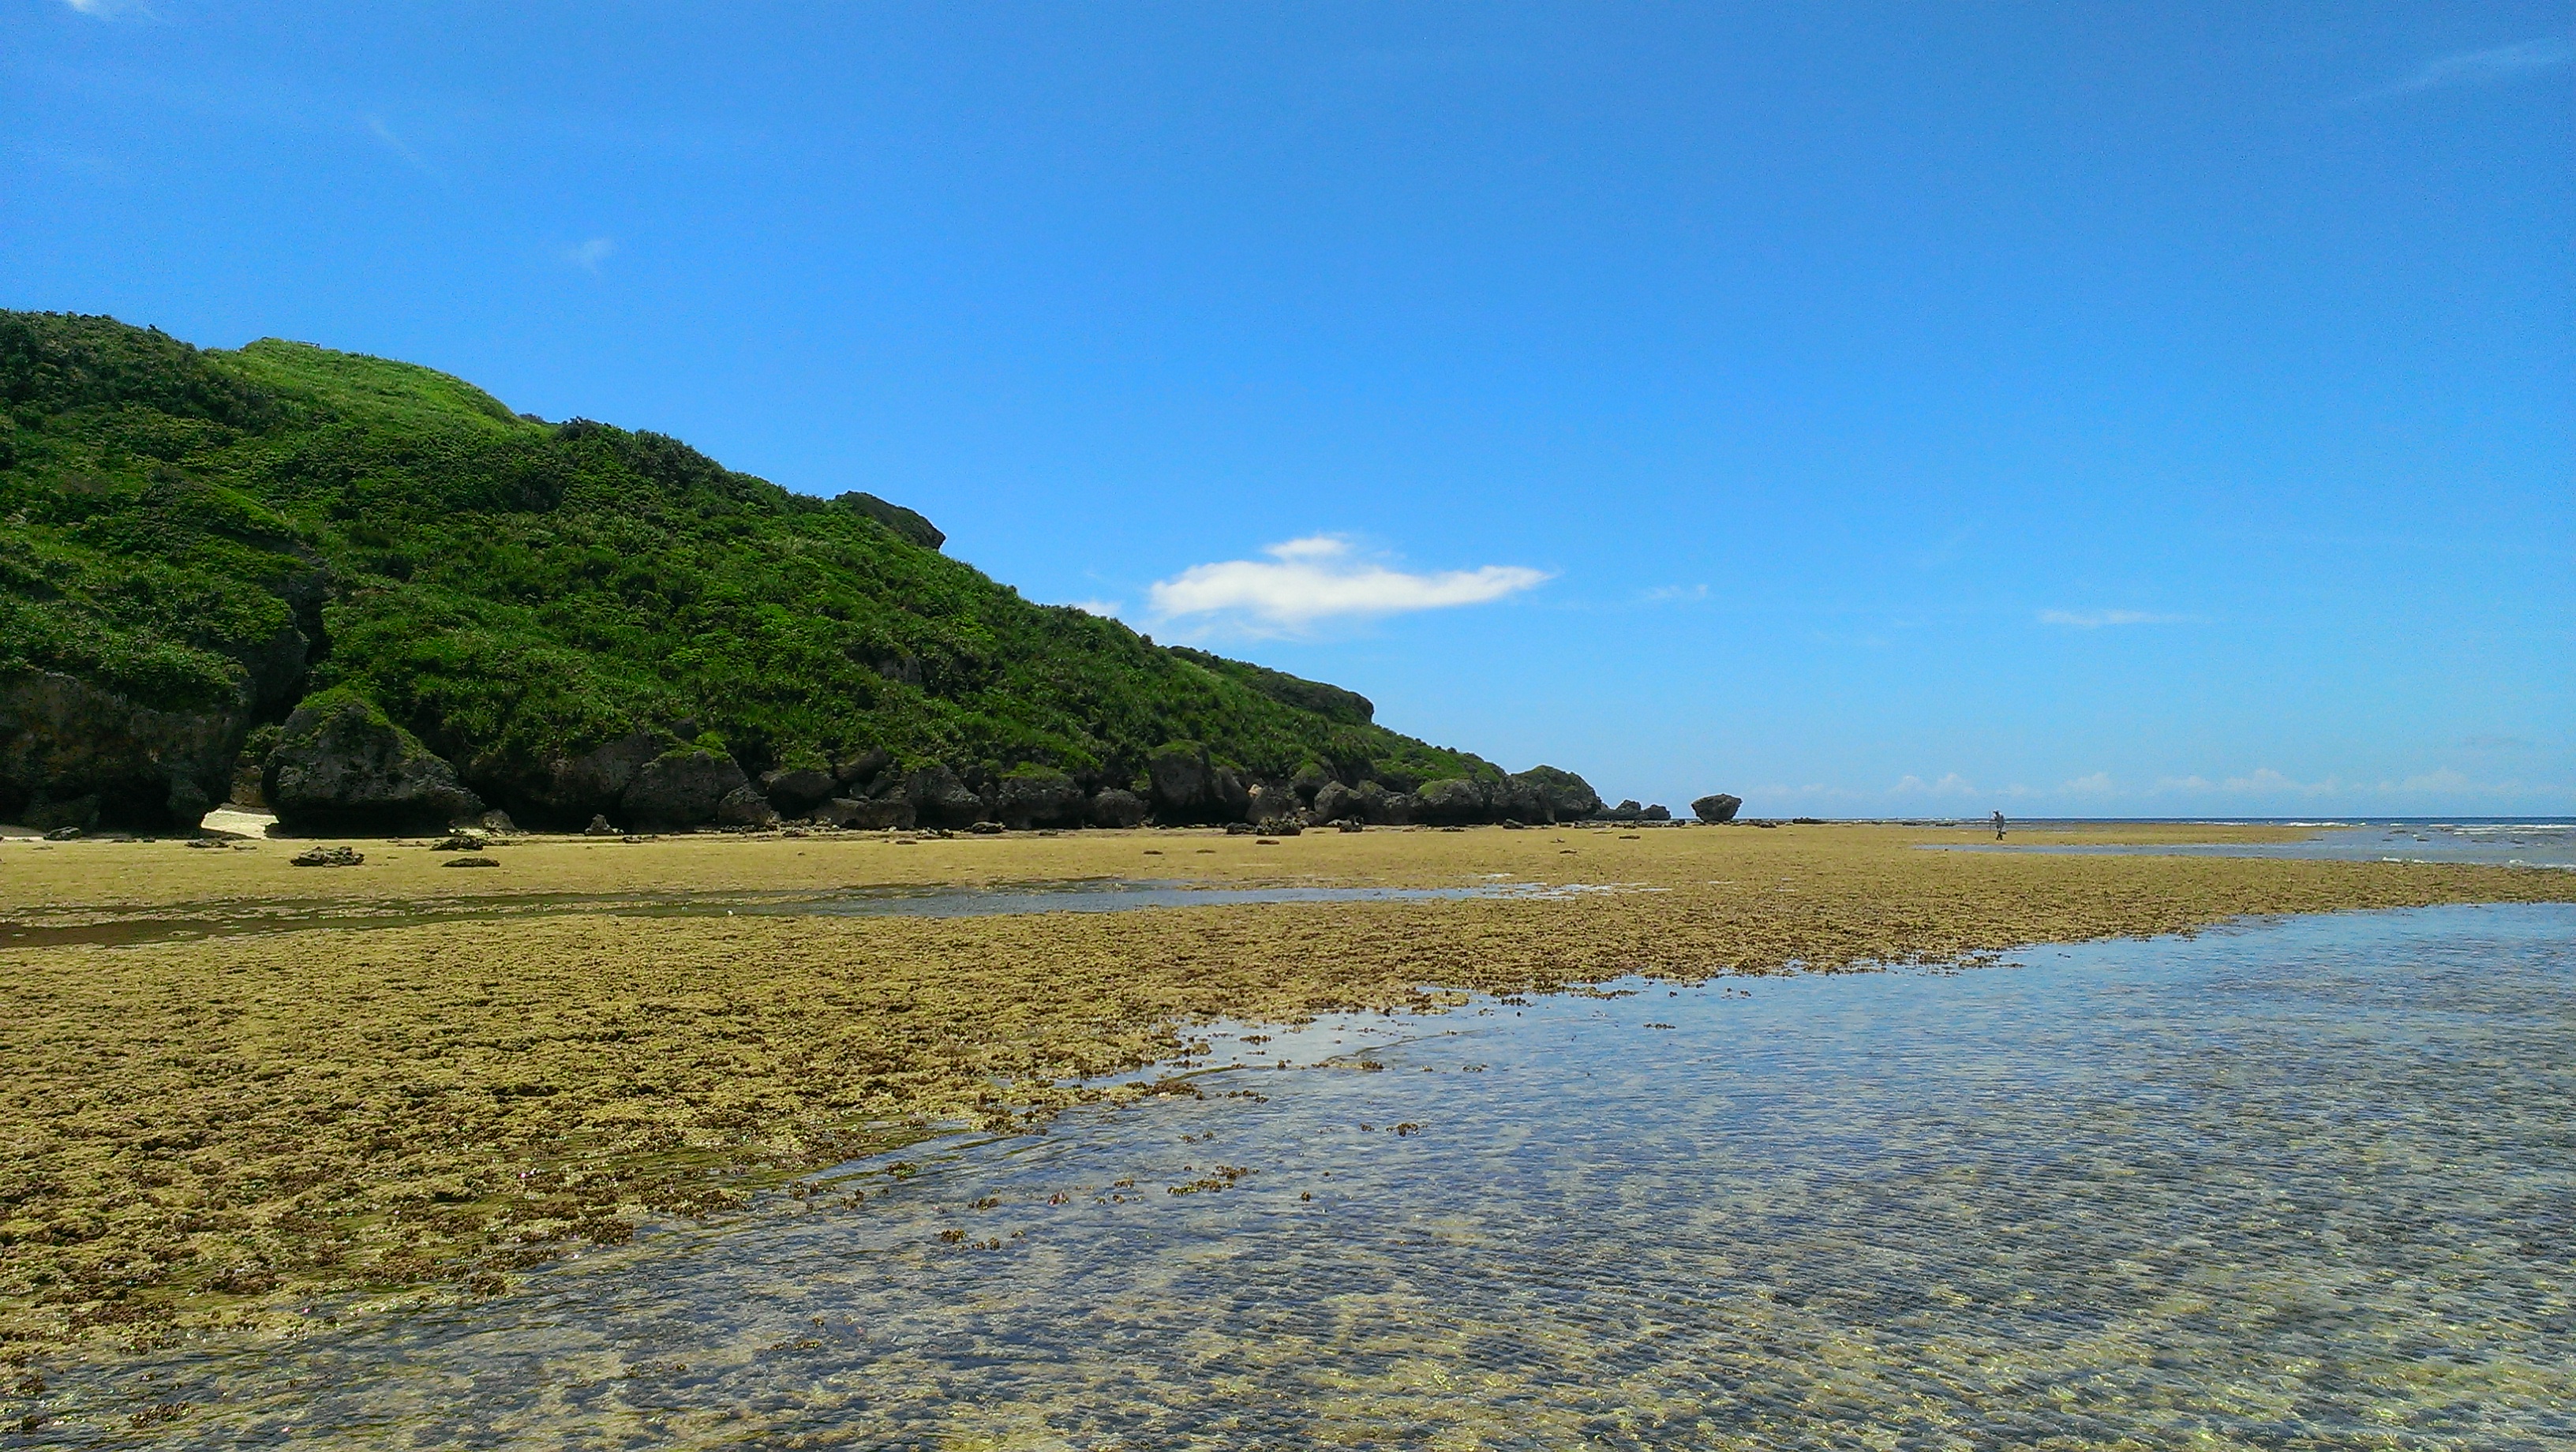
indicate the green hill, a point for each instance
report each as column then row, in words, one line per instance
column 411, row 603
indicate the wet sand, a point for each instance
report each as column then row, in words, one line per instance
column 212, row 1132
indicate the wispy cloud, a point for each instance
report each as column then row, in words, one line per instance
column 1105, row 609
column 1316, row 578
column 394, row 143
column 1676, row 594
column 588, row 255
column 2096, row 619
column 2480, row 67
column 104, row 9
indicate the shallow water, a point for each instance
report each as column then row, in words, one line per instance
column 2308, row 1183
column 1090, row 895
column 2539, row 844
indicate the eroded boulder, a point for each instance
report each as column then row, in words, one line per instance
column 342, row 767
column 1039, row 798
column 681, row 788
column 795, row 791
column 1116, row 807
column 1450, row 802
column 745, row 806
column 939, row 799
column 1717, row 807
column 1569, row 798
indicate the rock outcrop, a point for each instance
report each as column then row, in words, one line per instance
column 1717, row 807
column 939, row 799
column 796, row 791
column 1115, row 807
column 75, row 755
column 680, row 788
column 745, row 806
column 1037, row 798
column 1568, row 797
column 341, row 767
column 1450, row 803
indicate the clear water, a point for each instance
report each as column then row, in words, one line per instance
column 2539, row 844
column 2304, row 1184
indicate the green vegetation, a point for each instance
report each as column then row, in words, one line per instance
column 224, row 532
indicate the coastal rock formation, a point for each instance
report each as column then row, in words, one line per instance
column 796, row 792
column 865, row 815
column 1717, row 807
column 745, row 806
column 570, row 786
column 939, row 799
column 1335, row 802
column 907, row 524
column 681, row 788
column 1114, row 807
column 341, row 766
column 1569, row 798
column 1034, row 797
column 74, row 755
column 1449, row 803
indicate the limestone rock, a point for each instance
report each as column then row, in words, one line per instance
column 1039, row 799
column 939, row 799
column 599, row 828
column 797, row 791
column 1449, row 802
column 327, row 857
column 75, row 755
column 1335, row 802
column 342, row 767
column 682, row 788
column 744, row 806
column 1717, row 807
column 1569, row 798
column 1179, row 782
column 1115, row 807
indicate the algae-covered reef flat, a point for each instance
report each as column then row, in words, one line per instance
column 195, row 1133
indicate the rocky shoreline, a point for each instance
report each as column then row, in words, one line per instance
column 338, row 766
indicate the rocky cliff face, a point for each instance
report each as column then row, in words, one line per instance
column 74, row 755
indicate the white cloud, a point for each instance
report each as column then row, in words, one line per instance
column 590, row 254
column 1315, row 578
column 2096, row 619
column 1676, row 594
column 101, row 8
column 2097, row 785
column 1105, row 609
column 2478, row 67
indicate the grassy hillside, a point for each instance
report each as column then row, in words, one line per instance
column 215, row 535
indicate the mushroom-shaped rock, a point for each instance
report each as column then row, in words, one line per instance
column 1718, row 807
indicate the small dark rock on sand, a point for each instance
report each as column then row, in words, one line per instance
column 62, row 834
column 599, row 827
column 328, row 857
column 473, row 862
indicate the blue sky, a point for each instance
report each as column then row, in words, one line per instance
column 2148, row 409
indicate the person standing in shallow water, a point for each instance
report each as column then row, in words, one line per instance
column 1999, row 826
